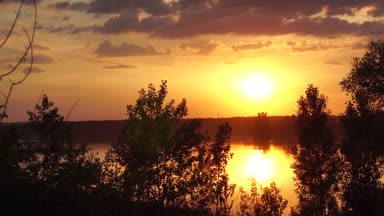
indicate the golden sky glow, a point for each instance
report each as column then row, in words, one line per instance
column 103, row 52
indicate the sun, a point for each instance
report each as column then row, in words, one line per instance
column 257, row 87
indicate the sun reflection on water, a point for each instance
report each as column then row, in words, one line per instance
column 265, row 165
column 259, row 166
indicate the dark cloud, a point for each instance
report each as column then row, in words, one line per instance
column 107, row 49
column 70, row 28
column 34, row 70
column 377, row 10
column 66, row 5
column 58, row 29
column 359, row 45
column 120, row 23
column 6, row 60
column 193, row 23
column 190, row 18
column 42, row 59
column 332, row 11
column 372, row 28
column 335, row 63
column 304, row 46
column 202, row 47
column 324, row 26
column 243, row 47
column 26, row 1
column 227, row 7
column 77, row 30
column 120, row 66
column 154, row 7
column 40, row 47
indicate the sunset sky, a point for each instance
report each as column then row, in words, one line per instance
column 102, row 52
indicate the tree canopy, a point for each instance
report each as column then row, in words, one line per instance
column 168, row 161
column 364, row 131
column 365, row 81
column 317, row 163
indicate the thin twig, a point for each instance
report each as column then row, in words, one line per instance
column 38, row 100
column 31, row 54
column 72, row 108
column 13, row 24
column 29, row 50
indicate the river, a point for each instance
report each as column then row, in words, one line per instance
column 266, row 163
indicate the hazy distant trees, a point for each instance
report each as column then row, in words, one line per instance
column 261, row 201
column 317, row 162
column 262, row 126
column 364, row 131
column 167, row 161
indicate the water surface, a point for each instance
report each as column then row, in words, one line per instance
column 266, row 163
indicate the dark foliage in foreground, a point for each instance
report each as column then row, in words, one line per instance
column 364, row 132
column 265, row 201
column 166, row 162
column 160, row 166
column 317, row 162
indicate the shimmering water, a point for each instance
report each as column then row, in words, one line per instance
column 266, row 163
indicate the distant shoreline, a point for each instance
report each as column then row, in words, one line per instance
column 280, row 129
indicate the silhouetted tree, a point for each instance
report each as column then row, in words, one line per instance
column 262, row 126
column 166, row 161
column 12, row 154
column 364, row 131
column 54, row 133
column 49, row 174
column 261, row 201
column 61, row 164
column 365, row 81
column 317, row 161
column 217, row 185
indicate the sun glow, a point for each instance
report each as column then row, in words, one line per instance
column 257, row 87
column 259, row 166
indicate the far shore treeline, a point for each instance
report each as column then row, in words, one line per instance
column 273, row 129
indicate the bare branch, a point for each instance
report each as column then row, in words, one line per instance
column 72, row 108
column 30, row 41
column 8, row 35
column 13, row 69
column 28, row 50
